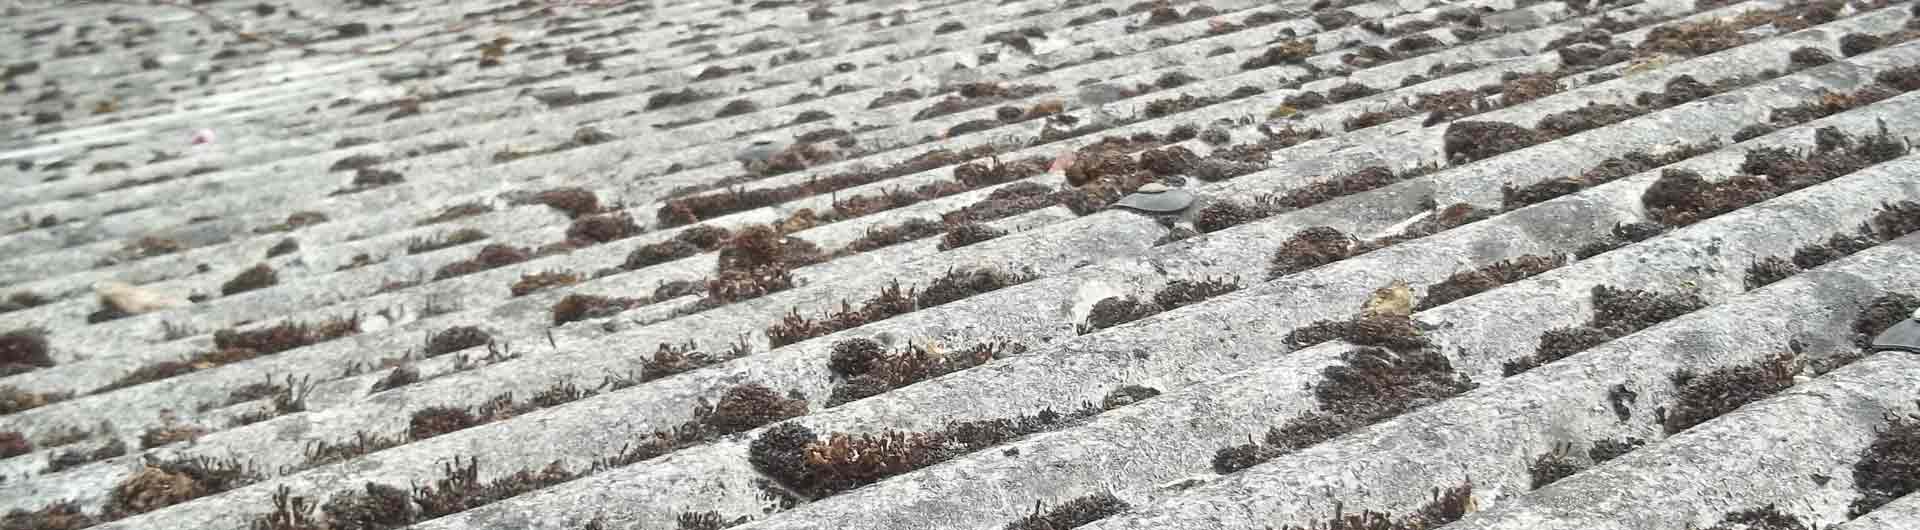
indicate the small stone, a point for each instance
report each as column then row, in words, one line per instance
column 1153, row 187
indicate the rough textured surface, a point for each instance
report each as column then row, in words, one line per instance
column 365, row 255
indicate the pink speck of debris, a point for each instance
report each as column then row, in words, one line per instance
column 202, row 136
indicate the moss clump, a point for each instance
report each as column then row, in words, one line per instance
column 1072, row 514
column 869, row 371
column 1616, row 313
column 257, row 277
column 434, row 421
column 455, row 339
column 1705, row 397
column 1889, row 467
column 490, row 257
column 746, row 407
column 573, row 201
column 1370, row 385
column 13, row 444
column 576, row 307
column 24, row 350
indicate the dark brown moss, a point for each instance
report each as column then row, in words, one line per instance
column 24, row 350
column 737, row 107
column 958, row 284
column 1072, row 514
column 71, row 458
column 1768, row 270
column 855, row 357
column 573, row 201
column 455, row 339
column 869, row 371
column 1681, row 197
column 13, row 444
column 1768, row 517
column 434, row 421
column 1904, row 78
column 1806, row 57
column 490, row 257
column 1007, row 201
column 257, row 277
column 1853, row 44
column 62, row 515
column 1286, row 52
column 672, row 359
column 576, row 307
column 968, row 233
column 1552, row 466
column 1309, row 248
column 670, row 99
column 160, row 484
column 1368, row 386
column 1395, row 332
column 747, row 407
column 1592, row 116
column 22, row 300
column 1882, row 313
column 1477, row 140
column 793, row 455
column 1609, row 170
column 540, row 281
column 891, row 301
column 1692, row 39
column 1605, row 450
column 1527, row 88
column 1889, row 467
column 1705, row 397
column 1616, row 313
column 1468, row 283
column 602, row 228
column 885, row 236
column 285, row 336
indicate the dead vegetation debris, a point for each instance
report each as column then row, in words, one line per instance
column 968, row 233
column 1367, row 386
column 163, row 483
column 1609, row 170
column 1467, row 141
column 540, row 281
column 455, row 339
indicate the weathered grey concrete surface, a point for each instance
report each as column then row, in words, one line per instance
column 1900, row 513
column 283, row 120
